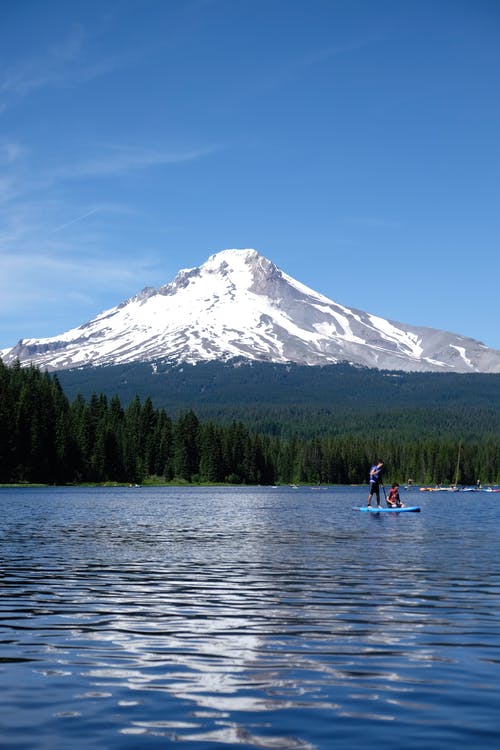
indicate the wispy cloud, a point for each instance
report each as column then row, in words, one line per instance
column 66, row 288
column 105, row 208
column 10, row 151
column 114, row 160
column 74, row 221
column 60, row 245
column 373, row 222
column 63, row 64
column 20, row 176
column 100, row 271
column 32, row 226
column 30, row 74
column 291, row 69
column 320, row 56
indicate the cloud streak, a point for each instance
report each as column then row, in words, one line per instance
column 115, row 160
column 74, row 221
column 52, row 68
column 21, row 177
column 294, row 68
column 62, row 64
column 70, row 289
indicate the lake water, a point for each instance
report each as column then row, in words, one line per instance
column 248, row 618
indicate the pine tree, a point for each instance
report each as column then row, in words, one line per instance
column 186, row 448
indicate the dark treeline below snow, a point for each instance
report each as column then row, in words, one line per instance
column 311, row 402
column 48, row 439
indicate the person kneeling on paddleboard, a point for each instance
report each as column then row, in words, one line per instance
column 393, row 499
column 375, row 473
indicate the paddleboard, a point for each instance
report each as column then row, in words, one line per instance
column 405, row 509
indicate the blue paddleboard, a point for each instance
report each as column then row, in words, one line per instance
column 406, row 509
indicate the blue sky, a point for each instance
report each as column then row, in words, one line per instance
column 355, row 143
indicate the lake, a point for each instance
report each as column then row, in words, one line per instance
column 139, row 618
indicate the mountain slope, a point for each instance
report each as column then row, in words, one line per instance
column 284, row 399
column 239, row 304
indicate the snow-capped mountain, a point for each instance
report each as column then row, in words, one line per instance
column 239, row 304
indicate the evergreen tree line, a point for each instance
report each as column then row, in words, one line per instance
column 48, row 439
column 286, row 399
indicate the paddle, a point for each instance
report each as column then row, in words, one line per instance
column 384, row 493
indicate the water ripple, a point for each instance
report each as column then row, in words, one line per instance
column 250, row 618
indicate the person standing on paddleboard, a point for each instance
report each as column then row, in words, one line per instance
column 375, row 474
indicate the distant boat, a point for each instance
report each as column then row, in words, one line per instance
column 439, row 489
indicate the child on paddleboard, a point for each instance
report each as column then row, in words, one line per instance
column 393, row 499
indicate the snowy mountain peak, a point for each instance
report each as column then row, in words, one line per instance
column 239, row 269
column 239, row 304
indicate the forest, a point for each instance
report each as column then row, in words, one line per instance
column 47, row 438
column 288, row 399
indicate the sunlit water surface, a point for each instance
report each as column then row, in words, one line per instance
column 248, row 618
